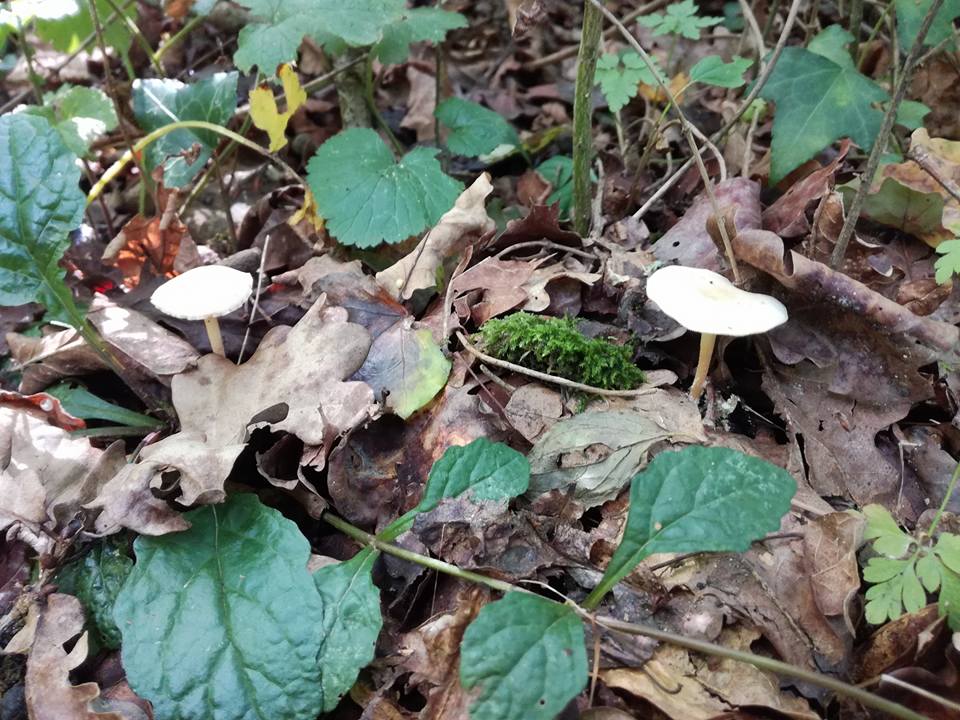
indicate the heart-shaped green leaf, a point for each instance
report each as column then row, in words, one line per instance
column 474, row 129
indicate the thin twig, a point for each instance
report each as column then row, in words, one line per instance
column 889, row 118
column 135, row 32
column 765, row 74
column 547, row 244
column 754, row 27
column 256, row 297
column 688, row 132
column 920, row 156
column 546, row 377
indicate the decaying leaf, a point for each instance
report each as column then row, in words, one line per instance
column 463, row 224
column 296, row 382
column 263, row 107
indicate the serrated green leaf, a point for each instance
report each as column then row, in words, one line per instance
column 948, row 264
column 949, row 600
column 712, row 70
column 928, row 571
column 680, row 19
column 700, row 500
column 278, row 28
column 619, row 74
column 95, row 579
column 910, row 14
column 882, row 569
column 40, row 204
column 884, row 601
column 948, row 550
column 70, row 24
column 416, row 25
column 159, row 102
column 351, row 623
column 525, row 658
column 818, row 102
column 487, row 470
column 407, row 367
column 223, row 621
column 474, row 129
column 79, row 114
column 889, row 539
column 82, row 403
column 368, row 198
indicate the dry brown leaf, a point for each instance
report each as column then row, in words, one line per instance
column 43, row 407
column 49, row 693
column 787, row 216
column 295, row 383
column 500, row 285
column 533, row 409
column 460, row 226
column 46, row 476
column 831, row 543
column 421, row 103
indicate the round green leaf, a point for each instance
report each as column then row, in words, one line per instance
column 368, row 198
column 474, row 129
column 95, row 579
column 222, row 622
column 526, row 658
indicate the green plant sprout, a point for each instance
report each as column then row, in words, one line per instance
column 555, row 346
column 948, row 264
column 680, row 19
column 908, row 567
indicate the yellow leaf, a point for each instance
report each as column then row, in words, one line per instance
column 655, row 93
column 307, row 211
column 264, row 111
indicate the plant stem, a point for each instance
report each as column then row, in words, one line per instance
column 35, row 79
column 135, row 32
column 178, row 36
column 889, row 118
column 856, row 16
column 764, row 663
column 371, row 100
column 146, row 140
column 583, row 115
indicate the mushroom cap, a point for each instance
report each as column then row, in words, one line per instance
column 203, row 292
column 705, row 302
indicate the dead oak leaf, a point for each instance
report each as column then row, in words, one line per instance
column 296, row 382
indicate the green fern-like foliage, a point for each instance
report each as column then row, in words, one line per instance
column 555, row 346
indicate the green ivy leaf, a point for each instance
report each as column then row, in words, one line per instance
column 910, row 114
column 79, row 114
column 95, row 579
column 278, row 28
column 525, row 658
column 558, row 171
column 474, row 129
column 619, row 74
column 416, row 25
column 224, row 617
column 712, row 70
column 82, row 403
column 700, row 500
column 487, row 470
column 680, row 19
column 888, row 538
column 367, row 197
column 66, row 24
column 818, row 102
column 159, row 102
column 40, row 204
column 351, row 623
column 831, row 43
column 948, row 264
column 407, row 366
column 910, row 14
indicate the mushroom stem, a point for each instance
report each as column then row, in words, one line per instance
column 216, row 339
column 707, row 341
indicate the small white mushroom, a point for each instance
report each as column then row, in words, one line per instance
column 204, row 293
column 708, row 303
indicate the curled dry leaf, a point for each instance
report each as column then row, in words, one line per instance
column 460, row 226
column 46, row 477
column 815, row 281
column 830, row 549
column 54, row 622
column 296, row 382
column 43, row 407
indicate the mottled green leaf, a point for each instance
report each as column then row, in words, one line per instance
column 474, row 129
column 700, row 500
column 368, row 198
column 95, row 579
column 524, row 657
column 277, row 28
column 40, row 204
column 712, row 70
column 351, row 623
column 223, row 621
column 416, row 25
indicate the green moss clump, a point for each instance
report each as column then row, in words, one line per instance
column 555, row 346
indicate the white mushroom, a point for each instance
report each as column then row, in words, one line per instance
column 204, row 293
column 708, row 303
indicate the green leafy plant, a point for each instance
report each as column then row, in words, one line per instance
column 712, row 70
column 81, row 403
column 555, row 346
column 908, row 567
column 353, row 176
column 79, row 114
column 948, row 264
column 558, row 171
column 680, row 19
column 619, row 74
column 421, row 24
column 474, row 129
